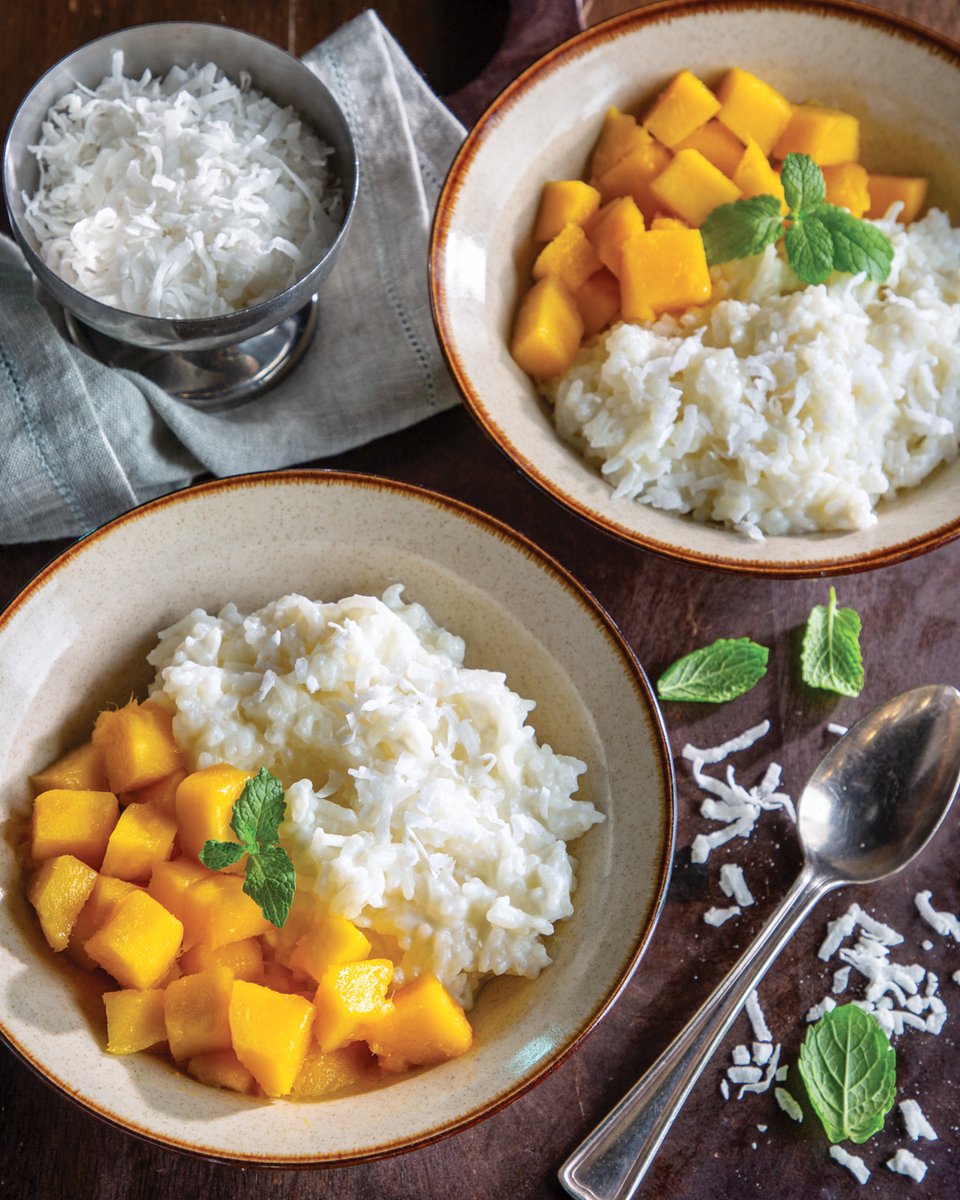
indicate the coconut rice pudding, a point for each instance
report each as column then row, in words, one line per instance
column 420, row 804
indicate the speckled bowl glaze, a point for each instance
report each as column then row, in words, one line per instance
column 903, row 83
column 76, row 639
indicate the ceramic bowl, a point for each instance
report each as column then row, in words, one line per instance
column 76, row 639
column 903, row 83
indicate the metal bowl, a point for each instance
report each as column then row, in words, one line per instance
column 157, row 48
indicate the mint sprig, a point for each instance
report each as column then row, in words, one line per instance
column 849, row 1070
column 257, row 814
column 830, row 657
column 819, row 238
column 721, row 671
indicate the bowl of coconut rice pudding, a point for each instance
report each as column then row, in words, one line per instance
column 181, row 189
column 624, row 316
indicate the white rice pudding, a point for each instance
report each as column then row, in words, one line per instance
column 780, row 408
column 419, row 802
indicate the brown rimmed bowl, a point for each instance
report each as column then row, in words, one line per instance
column 76, row 638
column 903, row 83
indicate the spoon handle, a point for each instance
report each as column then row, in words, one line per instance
column 610, row 1163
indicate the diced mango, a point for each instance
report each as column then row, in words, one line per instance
column 664, row 269
column 350, row 996
column 828, row 135
column 106, row 894
column 886, row 189
column 848, row 186
column 221, row 1068
column 66, row 821
column 282, row 979
column 162, row 794
column 331, row 939
column 753, row 109
column 755, row 176
column 684, row 105
column 569, row 258
column 58, row 891
column 141, row 838
column 633, row 175
column 564, row 202
column 134, row 1020
column 271, row 1034
column 170, row 879
column 547, row 330
column 717, row 145
column 196, row 1013
column 80, row 769
column 323, row 1073
column 619, row 134
column 692, row 187
column 216, row 911
column 598, row 301
column 243, row 959
column 137, row 745
column 425, row 1026
column 204, row 804
column 612, row 228
column 138, row 943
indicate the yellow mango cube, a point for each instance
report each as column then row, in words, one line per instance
column 243, row 959
column 68, row 821
column 753, row 109
column 271, row 1034
column 216, row 911
column 80, row 769
column 134, row 1020
column 664, row 270
column 828, row 135
column 162, row 794
column 138, row 943
column 717, row 145
column 885, row 190
column 222, row 1069
column 848, row 185
column 58, row 891
column 204, row 805
column 196, row 1012
column 331, row 939
column 684, row 105
column 425, row 1026
column 546, row 331
column 755, row 176
column 598, row 301
column 137, row 745
column 324, row 1073
column 141, row 838
column 692, row 187
column 613, row 226
column 564, row 202
column 634, row 173
column 619, row 134
column 106, row 894
column 569, row 258
column 351, row 996
column 170, row 879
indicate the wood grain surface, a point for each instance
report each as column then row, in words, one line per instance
column 49, row 1148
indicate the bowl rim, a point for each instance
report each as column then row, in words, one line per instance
column 181, row 328
column 586, row 39
column 657, row 728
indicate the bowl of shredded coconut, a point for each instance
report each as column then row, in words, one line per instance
column 180, row 186
column 475, row 769
column 778, row 427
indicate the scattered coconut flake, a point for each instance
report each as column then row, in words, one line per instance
column 956, row 977
column 827, row 1004
column 839, row 730
column 763, row 1084
column 761, row 1032
column 841, row 978
column 787, row 1102
column 906, row 1163
column 740, row 1056
column 945, row 923
column 762, row 1128
column 733, row 884
column 837, row 931
column 916, row 1124
column 854, row 1164
column 717, row 916
column 744, row 1074
column 782, row 1073
column 877, row 929
column 926, row 944
column 761, row 1053
column 724, row 1089
column 742, row 741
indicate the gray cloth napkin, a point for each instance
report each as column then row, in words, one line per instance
column 81, row 442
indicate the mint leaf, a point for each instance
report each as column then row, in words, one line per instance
column 830, row 657
column 849, row 1070
column 270, row 875
column 809, row 249
column 725, row 669
column 857, row 245
column 742, row 228
column 804, row 188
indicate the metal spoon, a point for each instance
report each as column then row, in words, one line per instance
column 869, row 808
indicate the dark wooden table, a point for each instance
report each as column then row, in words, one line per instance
column 50, row 1148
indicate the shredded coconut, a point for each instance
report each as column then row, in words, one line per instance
column 944, row 923
column 761, row 1031
column 906, row 1163
column 743, row 741
column 733, row 884
column 839, row 730
column 854, row 1164
column 718, row 916
column 787, row 1102
column 915, row 1123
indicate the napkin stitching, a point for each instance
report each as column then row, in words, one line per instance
column 420, row 353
